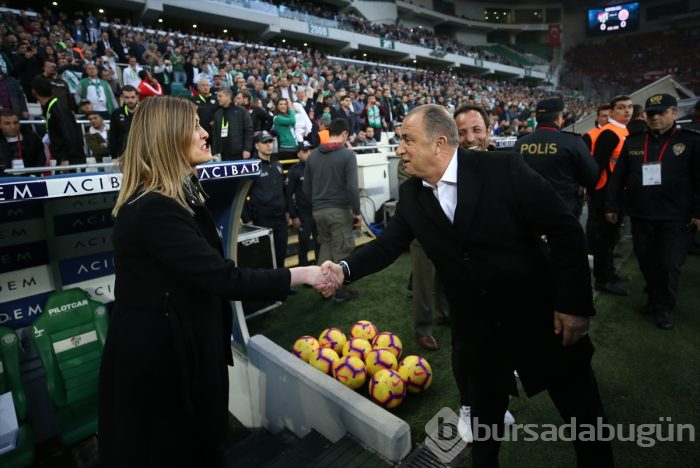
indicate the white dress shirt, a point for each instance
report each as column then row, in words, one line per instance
column 446, row 189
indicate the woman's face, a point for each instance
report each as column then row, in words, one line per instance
column 282, row 106
column 199, row 151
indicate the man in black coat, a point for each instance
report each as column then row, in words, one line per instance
column 516, row 302
column 232, row 137
column 18, row 142
column 65, row 136
column 120, row 122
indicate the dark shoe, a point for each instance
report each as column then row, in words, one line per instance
column 620, row 279
column 647, row 309
column 427, row 342
column 611, row 288
column 292, row 292
column 346, row 294
column 664, row 320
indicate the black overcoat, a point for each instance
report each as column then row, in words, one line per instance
column 163, row 392
column 502, row 281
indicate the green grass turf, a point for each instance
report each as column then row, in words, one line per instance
column 643, row 373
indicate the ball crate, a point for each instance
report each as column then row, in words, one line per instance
column 256, row 249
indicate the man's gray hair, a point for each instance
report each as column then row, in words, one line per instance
column 227, row 91
column 437, row 122
column 203, row 79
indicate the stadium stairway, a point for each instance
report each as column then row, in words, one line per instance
column 262, row 449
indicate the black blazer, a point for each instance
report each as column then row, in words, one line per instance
column 163, row 391
column 503, row 282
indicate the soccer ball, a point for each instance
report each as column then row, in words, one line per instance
column 387, row 340
column 323, row 359
column 379, row 359
column 304, row 346
column 363, row 329
column 333, row 338
column 416, row 372
column 350, row 371
column 387, row 388
column 357, row 347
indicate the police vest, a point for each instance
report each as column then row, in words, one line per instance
column 621, row 133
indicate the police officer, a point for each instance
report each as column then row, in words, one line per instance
column 561, row 158
column 267, row 203
column 120, row 121
column 660, row 170
column 299, row 205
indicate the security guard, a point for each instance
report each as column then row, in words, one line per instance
column 207, row 105
column 267, row 203
column 300, row 211
column 120, row 121
column 659, row 173
column 561, row 158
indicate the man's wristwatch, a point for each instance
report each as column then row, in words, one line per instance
column 346, row 271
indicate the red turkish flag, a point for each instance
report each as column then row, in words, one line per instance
column 554, row 35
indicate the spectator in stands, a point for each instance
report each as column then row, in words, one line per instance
column 283, row 123
column 347, row 113
column 233, row 129
column 192, row 70
column 120, row 121
column 97, row 139
column 148, row 86
column 58, row 84
column 178, row 61
column 330, row 182
column 19, row 142
column 12, row 97
column 27, row 66
column 260, row 118
column 303, row 125
column 374, row 115
column 163, row 74
column 64, row 134
column 323, row 131
column 161, row 405
column 130, row 75
column 97, row 91
column 103, row 44
column 207, row 104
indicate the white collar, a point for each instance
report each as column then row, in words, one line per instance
column 450, row 174
column 616, row 123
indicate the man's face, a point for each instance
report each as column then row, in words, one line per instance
column 416, row 151
column 370, row 132
column 622, row 112
column 661, row 121
column 603, row 117
column 224, row 99
column 50, row 69
column 9, row 126
column 132, row 63
column 264, row 148
column 96, row 121
column 473, row 133
column 238, row 100
column 346, row 102
column 304, row 154
column 371, row 100
column 130, row 98
column 361, row 135
column 106, row 74
column 204, row 87
column 91, row 71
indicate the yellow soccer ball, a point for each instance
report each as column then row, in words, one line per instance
column 333, row 338
column 387, row 388
column 357, row 347
column 387, row 340
column 416, row 373
column 323, row 359
column 350, row 371
column 304, row 346
column 379, row 359
column 363, row 329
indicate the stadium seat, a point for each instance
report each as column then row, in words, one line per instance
column 70, row 337
column 10, row 381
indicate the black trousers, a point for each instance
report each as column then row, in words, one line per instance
column 601, row 237
column 280, row 234
column 661, row 248
column 307, row 229
column 575, row 396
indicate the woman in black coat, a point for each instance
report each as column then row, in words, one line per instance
column 164, row 380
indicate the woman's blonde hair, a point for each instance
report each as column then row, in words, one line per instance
column 156, row 155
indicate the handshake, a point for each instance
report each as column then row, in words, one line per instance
column 325, row 279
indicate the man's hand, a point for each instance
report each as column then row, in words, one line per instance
column 357, row 221
column 696, row 222
column 246, row 154
column 335, row 271
column 611, row 218
column 296, row 222
column 571, row 327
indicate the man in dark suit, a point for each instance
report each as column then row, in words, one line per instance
column 516, row 301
